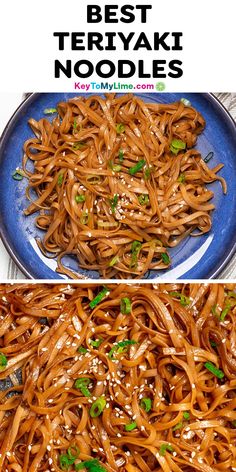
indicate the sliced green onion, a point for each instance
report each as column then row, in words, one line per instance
column 96, row 343
column 181, row 178
column 214, row 370
column 164, row 448
column 121, row 347
column 130, row 426
column 186, row 415
column 81, row 384
column 49, row 111
column 73, row 452
column 143, row 199
column 147, row 173
column 177, row 426
column 114, row 167
column 97, row 407
column 60, row 179
column 186, row 102
column 3, row 361
column 84, row 218
column 121, row 155
column 92, row 466
column 93, row 179
column 135, row 250
column 146, row 404
column 80, row 198
column 137, row 167
column 114, row 261
column 125, row 306
column 225, row 312
column 65, row 461
column 177, row 145
column 113, row 202
column 78, row 145
column 213, row 310
column 101, row 295
column 213, row 344
column 75, row 124
column 82, row 350
column 17, row 175
column 208, row 157
column 183, row 299
column 231, row 294
column 120, row 128
column 165, row 258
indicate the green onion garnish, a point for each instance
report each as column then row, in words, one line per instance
column 213, row 310
column 93, row 179
column 147, row 173
column 146, row 404
column 75, row 124
column 60, row 180
column 121, row 155
column 114, row 261
column 114, row 167
column 177, row 426
column 143, row 199
column 125, row 306
column 49, row 111
column 101, row 295
column 91, row 466
column 17, row 175
column 78, row 145
column 186, row 102
column 225, row 311
column 231, row 294
column 120, row 128
column 186, row 415
column 81, row 384
column 165, row 258
column 177, row 145
column 73, row 452
column 96, row 343
column 113, row 202
column 183, row 299
column 121, row 347
column 213, row 344
column 137, row 167
column 97, row 407
column 130, row 426
column 164, row 448
column 82, row 350
column 208, row 157
column 65, row 462
column 84, row 218
column 181, row 178
column 214, row 370
column 3, row 361
column 80, row 198
column 135, row 250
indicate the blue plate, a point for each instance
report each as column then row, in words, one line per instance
column 202, row 257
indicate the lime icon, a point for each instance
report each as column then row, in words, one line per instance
column 160, row 86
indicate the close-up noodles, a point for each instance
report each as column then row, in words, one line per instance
column 130, row 378
column 114, row 182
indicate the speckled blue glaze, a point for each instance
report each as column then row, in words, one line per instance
column 201, row 257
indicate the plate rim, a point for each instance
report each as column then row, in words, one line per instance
column 33, row 96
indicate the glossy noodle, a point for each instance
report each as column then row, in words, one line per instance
column 119, row 378
column 117, row 182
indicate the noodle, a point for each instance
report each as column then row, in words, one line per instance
column 117, row 182
column 119, row 378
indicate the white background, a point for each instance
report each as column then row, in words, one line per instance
column 28, row 48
